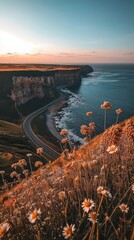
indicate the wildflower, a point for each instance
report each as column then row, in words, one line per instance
column 94, row 162
column 106, row 105
column 85, row 130
column 2, row 172
column 112, row 149
column 124, row 208
column 18, row 176
column 100, row 189
column 92, row 125
column 96, row 177
column 13, row 174
column 89, row 114
column 29, row 155
column 34, row 215
column 106, row 193
column 68, row 231
column 39, row 150
column 4, row 227
column 61, row 195
column 85, row 139
column 25, row 172
column 93, row 217
column 64, row 132
column 87, row 205
column 22, row 163
column 64, row 140
column 14, row 165
column 38, row 164
column 119, row 111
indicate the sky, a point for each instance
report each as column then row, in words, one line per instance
column 67, row 31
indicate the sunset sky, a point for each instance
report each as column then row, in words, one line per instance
column 67, row 31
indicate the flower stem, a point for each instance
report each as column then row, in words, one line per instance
column 105, row 116
column 30, row 164
column 117, row 119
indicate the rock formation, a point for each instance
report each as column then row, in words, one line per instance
column 31, row 89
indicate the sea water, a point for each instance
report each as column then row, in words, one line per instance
column 109, row 82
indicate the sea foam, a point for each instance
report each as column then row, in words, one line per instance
column 64, row 115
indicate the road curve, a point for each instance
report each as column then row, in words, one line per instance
column 32, row 136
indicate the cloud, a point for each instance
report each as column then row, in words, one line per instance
column 72, row 56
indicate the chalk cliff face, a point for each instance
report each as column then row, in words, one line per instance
column 26, row 88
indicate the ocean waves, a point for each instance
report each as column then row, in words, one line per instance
column 64, row 115
column 99, row 77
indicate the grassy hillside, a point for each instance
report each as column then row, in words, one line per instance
column 12, row 129
column 86, row 194
column 15, row 146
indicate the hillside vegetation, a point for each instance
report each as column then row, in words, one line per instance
column 86, row 194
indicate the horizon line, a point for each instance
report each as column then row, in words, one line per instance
column 30, row 63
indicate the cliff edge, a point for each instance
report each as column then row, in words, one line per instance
column 25, row 88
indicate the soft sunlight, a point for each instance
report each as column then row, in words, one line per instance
column 12, row 44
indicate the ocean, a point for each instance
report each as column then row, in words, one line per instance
column 109, row 82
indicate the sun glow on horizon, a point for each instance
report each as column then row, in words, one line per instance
column 12, row 44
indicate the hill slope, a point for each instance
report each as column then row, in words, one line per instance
column 91, row 190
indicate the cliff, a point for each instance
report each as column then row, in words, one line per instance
column 69, row 78
column 85, row 69
column 23, row 91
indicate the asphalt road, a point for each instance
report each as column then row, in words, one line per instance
column 32, row 136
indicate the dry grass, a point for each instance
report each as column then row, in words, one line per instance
column 6, row 156
column 11, row 129
column 58, row 189
column 38, row 67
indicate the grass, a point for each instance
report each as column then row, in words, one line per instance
column 11, row 129
column 86, row 194
column 39, row 67
column 13, row 146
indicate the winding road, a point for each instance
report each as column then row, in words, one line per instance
column 53, row 154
